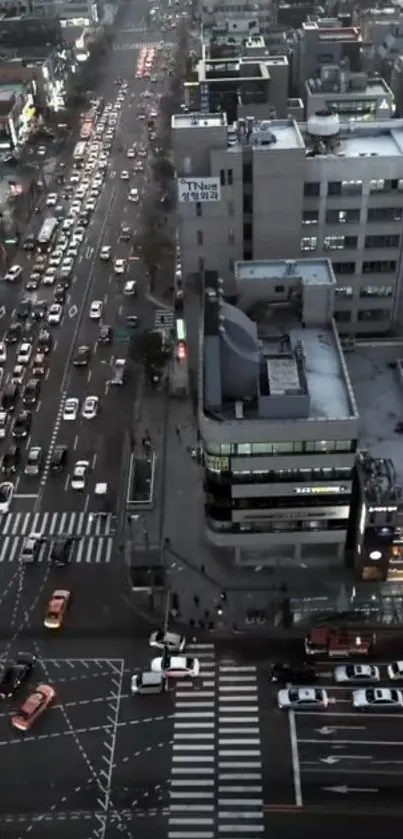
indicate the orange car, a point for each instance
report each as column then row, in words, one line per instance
column 33, row 707
column 57, row 609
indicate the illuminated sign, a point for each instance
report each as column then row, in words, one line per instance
column 199, row 190
column 324, row 513
column 216, row 464
column 336, row 490
column 382, row 509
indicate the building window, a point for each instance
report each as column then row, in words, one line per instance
column 199, row 236
column 334, row 188
column 339, row 243
column 231, row 262
column 344, row 291
column 222, row 177
column 376, row 291
column 377, row 185
column 247, row 204
column 279, row 289
column 310, row 217
column 288, row 447
column 198, row 209
column 342, row 316
column 344, row 188
column 385, row 214
column 247, row 232
column 231, row 208
column 384, row 266
column 343, row 267
column 365, row 315
column 247, row 173
column 312, row 189
column 230, row 177
column 387, row 241
column 342, row 216
column 309, row 243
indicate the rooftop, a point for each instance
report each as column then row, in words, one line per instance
column 194, row 120
column 378, row 388
column 362, row 139
column 311, row 271
column 7, row 91
column 277, row 134
column 356, row 87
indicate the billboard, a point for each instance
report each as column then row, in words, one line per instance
column 198, row 190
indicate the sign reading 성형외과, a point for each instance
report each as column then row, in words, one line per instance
column 198, row 190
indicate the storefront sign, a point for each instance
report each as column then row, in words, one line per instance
column 198, row 190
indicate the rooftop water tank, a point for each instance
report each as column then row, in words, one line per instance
column 324, row 124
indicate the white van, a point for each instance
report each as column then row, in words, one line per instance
column 147, row 682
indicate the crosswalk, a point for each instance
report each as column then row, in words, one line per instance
column 93, row 536
column 216, row 786
column 164, row 318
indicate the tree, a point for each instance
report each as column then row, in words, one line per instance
column 151, row 243
column 163, row 169
column 147, row 349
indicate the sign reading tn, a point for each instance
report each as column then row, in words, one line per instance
column 198, row 190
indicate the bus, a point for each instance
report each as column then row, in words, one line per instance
column 79, row 152
column 47, row 234
column 88, row 121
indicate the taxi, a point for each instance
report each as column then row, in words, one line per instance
column 57, row 608
column 33, row 707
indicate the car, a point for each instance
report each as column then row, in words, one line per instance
column 72, row 252
column 124, row 175
column 6, row 496
column 90, row 205
column 132, row 321
column 106, row 252
column 60, row 553
column 66, row 267
column 131, row 153
column 383, row 699
column 3, row 350
column 125, row 233
column 40, row 263
column 30, row 394
column 79, row 476
column 358, row 673
column 33, row 707
column 298, row 674
column 105, row 336
column 12, row 336
column 395, row 670
column 45, row 341
column 24, row 353
column 17, row 374
column 90, row 407
column 39, row 365
column 32, row 282
column 57, row 609
column 11, row 460
column 14, row 273
column 9, row 397
column 134, row 195
column 139, row 166
column 58, row 460
column 29, row 242
column 31, row 547
column 62, row 243
column 70, row 410
column 78, row 235
column 119, row 266
column 42, row 151
column 51, row 199
column 50, row 275
column 55, row 314
column 59, row 294
column 305, row 698
column 39, row 309
column 130, row 288
column 15, row 674
column 22, row 425
column 3, row 424
column 56, row 258
column 164, row 640
column 177, row 667
column 34, row 461
column 95, row 312
column 82, row 356
column 67, row 225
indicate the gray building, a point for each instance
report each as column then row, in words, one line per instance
column 239, row 16
column 324, row 42
column 275, row 190
column 353, row 96
column 277, row 415
column 90, row 10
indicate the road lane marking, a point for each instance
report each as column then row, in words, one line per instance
column 73, row 311
column 295, row 759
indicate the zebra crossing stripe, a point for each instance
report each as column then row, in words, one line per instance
column 86, row 551
column 56, row 524
column 164, row 318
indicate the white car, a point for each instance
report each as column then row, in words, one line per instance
column 49, row 276
column 55, row 314
column 96, row 309
column 79, row 476
column 90, row 407
column 62, row 243
column 66, row 267
column 81, row 192
column 51, row 200
column 124, row 176
column 304, row 698
column 72, row 252
column 130, row 288
column 3, row 352
column 106, row 252
column 67, row 225
column 176, row 666
column 171, row 641
column 75, row 178
column 395, row 670
column 13, row 273
column 134, row 195
column 356, row 673
column 6, row 496
column 119, row 266
column 369, row 699
column 24, row 353
column 3, row 424
column 56, row 258
column 17, row 374
column 90, row 205
column 78, row 235
column 70, row 410
column 131, row 153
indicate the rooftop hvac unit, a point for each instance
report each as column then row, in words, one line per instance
column 324, row 124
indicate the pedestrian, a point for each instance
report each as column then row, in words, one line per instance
column 196, row 600
column 178, row 431
column 202, row 569
column 207, row 614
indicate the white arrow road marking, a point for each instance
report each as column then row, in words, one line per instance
column 332, row 730
column 2, row 311
column 344, row 789
column 331, row 759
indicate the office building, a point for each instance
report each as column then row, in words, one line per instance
column 277, row 416
column 278, row 190
column 250, row 18
column 353, row 96
column 88, row 10
column 324, row 42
